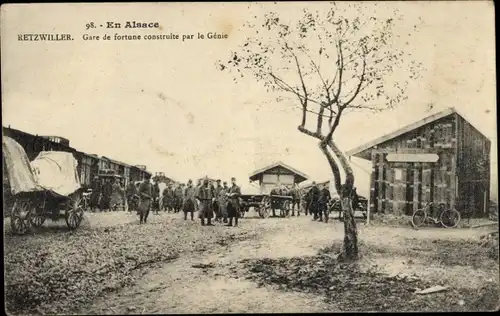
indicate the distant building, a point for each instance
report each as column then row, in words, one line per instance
column 277, row 174
column 441, row 158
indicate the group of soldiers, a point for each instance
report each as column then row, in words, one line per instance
column 318, row 201
column 220, row 203
column 106, row 194
column 314, row 201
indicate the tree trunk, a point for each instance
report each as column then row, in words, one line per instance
column 350, row 245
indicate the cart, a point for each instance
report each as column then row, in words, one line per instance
column 47, row 187
column 279, row 202
column 264, row 204
column 251, row 201
column 335, row 206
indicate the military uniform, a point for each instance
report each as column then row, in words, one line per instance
column 146, row 195
column 313, row 201
column 96, row 194
column 223, row 200
column 324, row 198
column 156, row 198
column 233, row 207
column 189, row 201
column 107, row 191
column 216, row 204
column 295, row 201
column 168, row 195
column 206, row 194
column 178, row 195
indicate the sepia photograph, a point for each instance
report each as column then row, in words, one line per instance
column 249, row 157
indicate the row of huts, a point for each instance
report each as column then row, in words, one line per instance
column 88, row 164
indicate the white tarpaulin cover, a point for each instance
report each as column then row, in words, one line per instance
column 56, row 171
column 18, row 167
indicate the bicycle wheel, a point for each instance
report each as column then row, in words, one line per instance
column 450, row 218
column 418, row 218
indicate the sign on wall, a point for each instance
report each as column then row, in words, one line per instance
column 412, row 157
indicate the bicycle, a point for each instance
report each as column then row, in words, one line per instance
column 447, row 217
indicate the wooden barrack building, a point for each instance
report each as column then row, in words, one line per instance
column 275, row 175
column 441, row 158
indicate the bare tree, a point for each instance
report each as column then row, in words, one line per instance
column 328, row 64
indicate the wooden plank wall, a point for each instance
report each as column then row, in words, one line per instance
column 473, row 169
column 430, row 182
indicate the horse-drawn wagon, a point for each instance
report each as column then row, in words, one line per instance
column 265, row 205
column 47, row 187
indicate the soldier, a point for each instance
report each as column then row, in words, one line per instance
column 116, row 194
column 96, row 193
column 167, row 195
column 223, row 201
column 216, row 205
column 178, row 195
column 313, row 200
column 294, row 192
column 324, row 198
column 189, row 200
column 274, row 191
column 197, row 204
column 107, row 191
column 156, row 197
column 131, row 194
column 206, row 195
column 233, row 206
column 146, row 195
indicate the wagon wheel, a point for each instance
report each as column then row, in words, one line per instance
column 265, row 207
column 20, row 217
column 37, row 220
column 74, row 215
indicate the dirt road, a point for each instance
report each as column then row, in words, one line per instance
column 202, row 283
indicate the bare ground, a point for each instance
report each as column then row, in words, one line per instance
column 217, row 280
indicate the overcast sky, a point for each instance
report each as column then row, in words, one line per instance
column 164, row 104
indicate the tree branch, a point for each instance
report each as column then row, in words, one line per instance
column 358, row 88
column 341, row 70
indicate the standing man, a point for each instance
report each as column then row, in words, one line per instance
column 107, row 191
column 324, row 199
column 167, row 196
column 313, row 202
column 197, row 204
column 206, row 196
column 131, row 195
column 216, row 204
column 146, row 195
column 233, row 206
column 96, row 193
column 274, row 191
column 156, row 197
column 189, row 200
column 178, row 196
column 116, row 195
column 294, row 192
column 223, row 201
